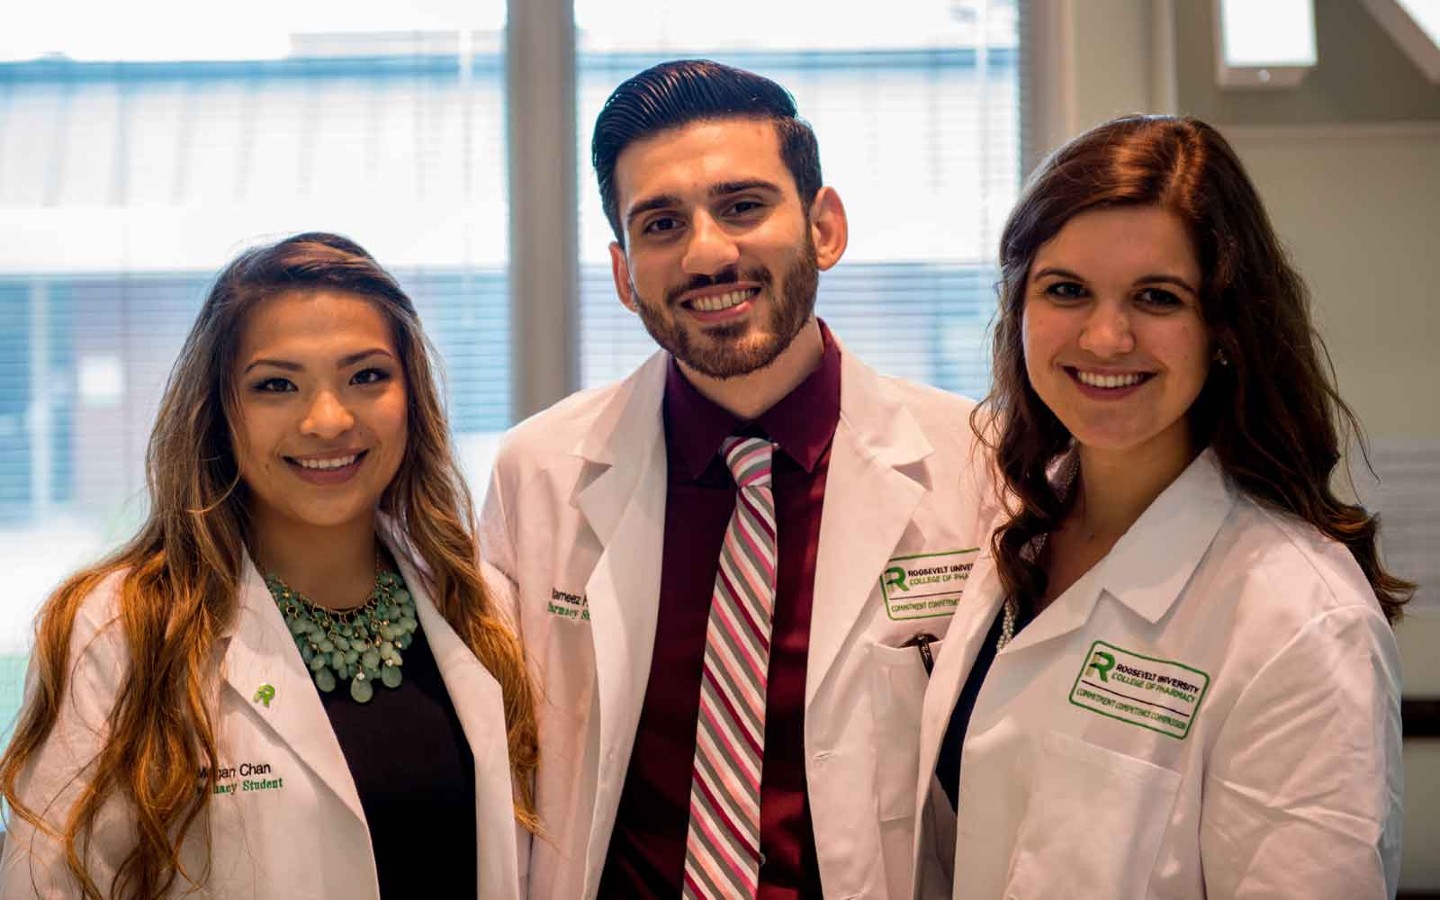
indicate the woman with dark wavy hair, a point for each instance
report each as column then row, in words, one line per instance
column 273, row 689
column 1173, row 672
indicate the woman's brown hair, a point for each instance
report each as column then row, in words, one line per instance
column 182, row 571
column 1272, row 413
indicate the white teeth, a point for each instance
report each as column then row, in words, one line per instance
column 724, row 301
column 338, row 462
column 1096, row 379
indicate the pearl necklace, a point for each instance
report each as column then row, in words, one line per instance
column 358, row 645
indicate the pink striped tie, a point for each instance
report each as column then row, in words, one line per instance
column 722, row 848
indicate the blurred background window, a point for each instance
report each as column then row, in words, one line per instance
column 136, row 160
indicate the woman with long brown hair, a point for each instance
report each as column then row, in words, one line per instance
column 293, row 681
column 1172, row 673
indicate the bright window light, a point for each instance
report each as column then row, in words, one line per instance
column 1264, row 45
column 1415, row 26
column 257, row 30
column 1426, row 14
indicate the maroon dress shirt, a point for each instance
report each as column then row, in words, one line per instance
column 647, row 849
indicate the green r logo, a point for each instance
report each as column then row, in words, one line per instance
column 264, row 694
column 1102, row 663
column 895, row 577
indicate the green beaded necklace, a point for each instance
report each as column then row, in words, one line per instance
column 357, row 645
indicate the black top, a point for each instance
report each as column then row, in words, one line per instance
column 415, row 775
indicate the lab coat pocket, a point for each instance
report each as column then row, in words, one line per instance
column 1094, row 823
column 897, row 696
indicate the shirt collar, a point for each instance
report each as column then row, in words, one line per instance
column 802, row 423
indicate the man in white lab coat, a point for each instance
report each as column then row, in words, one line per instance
column 607, row 512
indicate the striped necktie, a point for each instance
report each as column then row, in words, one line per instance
column 722, row 847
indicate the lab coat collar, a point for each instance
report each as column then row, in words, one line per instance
column 624, row 424
column 884, row 428
column 621, row 445
column 260, row 651
column 1151, row 563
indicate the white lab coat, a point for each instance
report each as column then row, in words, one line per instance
column 306, row 837
column 1286, row 782
column 575, row 516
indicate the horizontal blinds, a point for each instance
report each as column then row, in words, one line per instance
column 117, row 168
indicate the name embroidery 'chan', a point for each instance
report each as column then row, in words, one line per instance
column 245, row 778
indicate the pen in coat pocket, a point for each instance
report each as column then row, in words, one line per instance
column 922, row 642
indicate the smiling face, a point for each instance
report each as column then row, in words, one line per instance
column 321, row 420
column 720, row 260
column 1115, row 344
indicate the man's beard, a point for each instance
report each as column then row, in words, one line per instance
column 719, row 351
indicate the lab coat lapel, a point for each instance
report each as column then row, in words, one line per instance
column 620, row 450
column 480, row 706
column 261, row 652
column 983, row 596
column 876, row 479
column 1068, row 613
column 963, row 640
column 625, row 506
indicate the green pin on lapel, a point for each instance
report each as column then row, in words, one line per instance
column 264, row 694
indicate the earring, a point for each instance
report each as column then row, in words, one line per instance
column 1220, row 358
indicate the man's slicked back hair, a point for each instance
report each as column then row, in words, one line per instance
column 677, row 93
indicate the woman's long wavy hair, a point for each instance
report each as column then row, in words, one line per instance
column 1272, row 413
column 182, row 572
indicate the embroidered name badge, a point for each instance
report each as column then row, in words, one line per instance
column 569, row 606
column 1158, row 694
column 245, row 778
column 925, row 585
